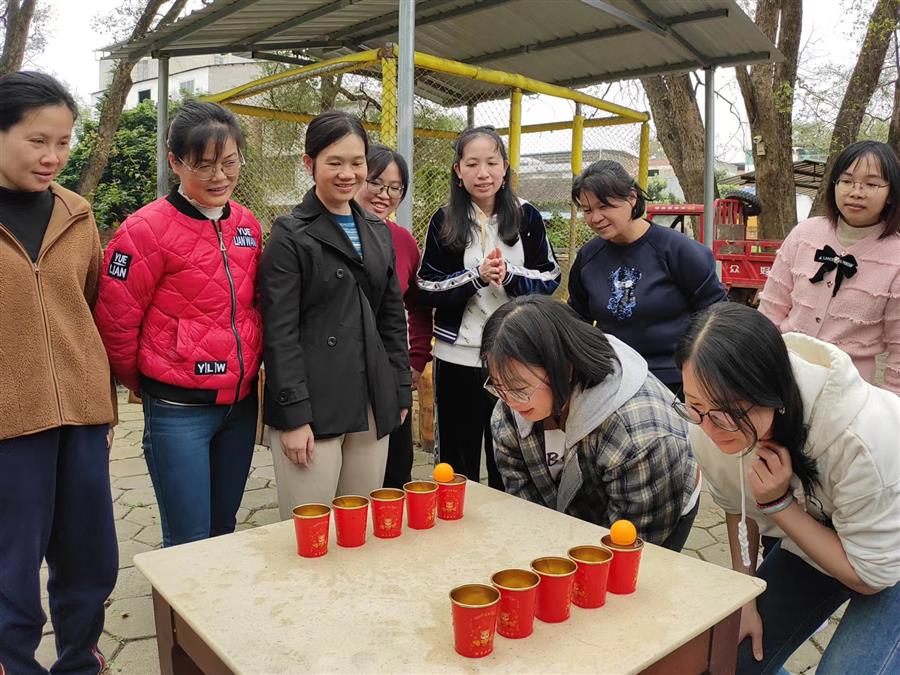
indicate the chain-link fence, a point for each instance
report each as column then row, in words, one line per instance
column 450, row 96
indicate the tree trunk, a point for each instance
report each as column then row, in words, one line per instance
column 114, row 98
column 894, row 132
column 768, row 93
column 330, row 88
column 18, row 22
column 679, row 129
column 860, row 88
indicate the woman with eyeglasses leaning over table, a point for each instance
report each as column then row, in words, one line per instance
column 796, row 446
column 837, row 276
column 179, row 315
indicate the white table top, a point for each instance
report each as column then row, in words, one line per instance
column 384, row 607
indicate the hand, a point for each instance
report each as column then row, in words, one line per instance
column 491, row 268
column 298, row 444
column 110, row 435
column 403, row 413
column 751, row 624
column 770, row 474
column 416, row 376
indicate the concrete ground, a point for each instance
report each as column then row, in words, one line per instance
column 128, row 640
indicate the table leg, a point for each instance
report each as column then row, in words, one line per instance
column 724, row 644
column 714, row 651
column 172, row 658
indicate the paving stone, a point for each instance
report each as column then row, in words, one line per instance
column 129, row 549
column 260, row 499
column 150, row 535
column 709, row 516
column 719, row 554
column 242, row 515
column 265, row 517
column 822, row 638
column 144, row 515
column 45, row 605
column 137, row 658
column 115, row 493
column 121, row 510
column 140, row 497
column 261, row 458
column 46, row 651
column 122, row 468
column 804, row 658
column 720, row 532
column 131, row 415
column 125, row 529
column 839, row 612
column 266, row 473
column 109, row 646
column 698, row 538
column 130, row 618
column 126, row 448
column 131, row 584
column 134, row 482
column 256, row 483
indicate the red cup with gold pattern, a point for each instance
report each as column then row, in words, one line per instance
column 591, row 575
column 351, row 513
column 311, row 526
column 421, row 503
column 452, row 498
column 474, row 609
column 623, row 570
column 554, row 593
column 387, row 512
column 518, row 594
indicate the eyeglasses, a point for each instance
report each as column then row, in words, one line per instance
column 513, row 395
column 376, row 188
column 867, row 187
column 725, row 421
column 206, row 172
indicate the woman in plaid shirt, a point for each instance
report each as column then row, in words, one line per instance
column 583, row 427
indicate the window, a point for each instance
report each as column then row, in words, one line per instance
column 143, row 95
column 186, row 88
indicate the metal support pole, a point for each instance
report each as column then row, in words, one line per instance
column 405, row 93
column 577, row 146
column 515, row 134
column 709, row 156
column 162, row 125
column 389, row 97
column 470, row 115
column 644, row 156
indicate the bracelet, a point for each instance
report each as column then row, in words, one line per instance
column 777, row 505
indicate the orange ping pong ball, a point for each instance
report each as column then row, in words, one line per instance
column 443, row 473
column 622, row 533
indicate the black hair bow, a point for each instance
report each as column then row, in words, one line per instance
column 845, row 264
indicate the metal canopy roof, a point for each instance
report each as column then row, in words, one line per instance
column 566, row 42
column 808, row 176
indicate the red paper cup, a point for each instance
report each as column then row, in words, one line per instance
column 421, row 503
column 518, row 593
column 623, row 571
column 387, row 512
column 311, row 526
column 452, row 498
column 554, row 593
column 350, row 515
column 474, row 619
column 591, row 575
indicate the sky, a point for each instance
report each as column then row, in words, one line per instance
column 72, row 54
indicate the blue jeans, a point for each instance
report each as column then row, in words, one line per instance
column 799, row 598
column 55, row 504
column 199, row 459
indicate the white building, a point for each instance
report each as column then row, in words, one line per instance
column 188, row 76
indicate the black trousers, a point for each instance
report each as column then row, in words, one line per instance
column 463, row 421
column 400, row 456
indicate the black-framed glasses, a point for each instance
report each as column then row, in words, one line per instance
column 514, row 395
column 868, row 187
column 206, row 172
column 725, row 421
column 376, row 188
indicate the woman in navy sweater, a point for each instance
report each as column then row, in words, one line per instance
column 639, row 281
column 483, row 248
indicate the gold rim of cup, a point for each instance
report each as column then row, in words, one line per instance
column 458, row 479
column 349, row 502
column 474, row 595
column 515, row 579
column 554, row 566
column 386, row 495
column 311, row 510
column 590, row 554
column 608, row 543
column 420, row 486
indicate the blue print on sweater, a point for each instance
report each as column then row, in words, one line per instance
column 622, row 284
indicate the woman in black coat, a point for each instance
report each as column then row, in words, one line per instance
column 337, row 366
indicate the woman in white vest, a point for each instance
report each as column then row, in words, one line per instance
column 796, row 446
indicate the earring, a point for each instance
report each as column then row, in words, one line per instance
column 460, row 183
column 502, row 185
column 781, row 411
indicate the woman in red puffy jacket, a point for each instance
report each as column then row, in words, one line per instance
column 178, row 314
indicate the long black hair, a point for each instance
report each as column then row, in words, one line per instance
column 739, row 358
column 536, row 330
column 330, row 127
column 607, row 180
column 27, row 90
column 379, row 157
column 459, row 221
column 198, row 124
column 890, row 171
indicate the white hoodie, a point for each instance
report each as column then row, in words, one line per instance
column 854, row 438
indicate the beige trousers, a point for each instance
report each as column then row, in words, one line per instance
column 350, row 464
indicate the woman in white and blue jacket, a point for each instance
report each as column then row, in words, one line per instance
column 483, row 248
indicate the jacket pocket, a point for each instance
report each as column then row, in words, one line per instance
column 198, row 341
